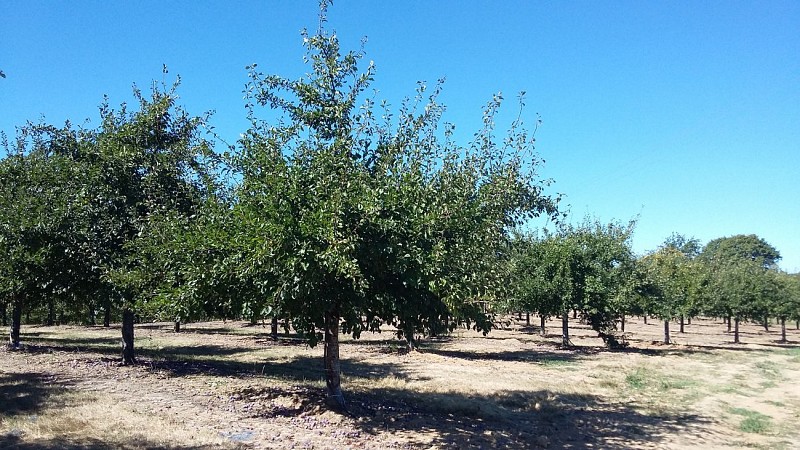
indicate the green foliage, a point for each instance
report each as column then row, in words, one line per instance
column 586, row 267
column 374, row 217
column 741, row 247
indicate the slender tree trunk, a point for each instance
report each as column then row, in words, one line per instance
column 797, row 324
column 622, row 322
column 527, row 318
column 411, row 343
column 645, row 319
column 4, row 313
column 177, row 326
column 565, row 330
column 574, row 313
column 107, row 314
column 736, row 330
column 90, row 314
column 689, row 320
column 51, row 313
column 128, row 354
column 666, row 331
column 729, row 323
column 16, row 319
column 519, row 315
column 541, row 324
column 274, row 328
column 766, row 323
column 333, row 373
column 682, row 326
column 783, row 330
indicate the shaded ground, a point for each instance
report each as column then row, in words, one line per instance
column 227, row 385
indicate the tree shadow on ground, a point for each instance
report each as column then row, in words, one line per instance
column 17, row 441
column 510, row 419
column 27, row 392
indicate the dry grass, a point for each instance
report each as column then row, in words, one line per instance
column 228, row 385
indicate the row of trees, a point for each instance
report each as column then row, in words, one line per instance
column 590, row 270
column 340, row 216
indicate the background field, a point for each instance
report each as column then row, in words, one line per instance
column 227, row 385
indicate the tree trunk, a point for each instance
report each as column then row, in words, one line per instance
column 411, row 344
column 527, row 318
column 274, row 328
column 574, row 313
column 177, row 326
column 783, row 330
column 51, row 313
column 766, row 323
column 565, row 329
column 107, row 314
column 16, row 318
column 333, row 373
column 541, row 325
column 645, row 319
column 4, row 313
column 90, row 314
column 729, row 323
column 666, row 331
column 622, row 323
column 128, row 355
column 519, row 315
column 736, row 331
column 688, row 320
column 682, row 331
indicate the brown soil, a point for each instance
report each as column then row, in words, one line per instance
column 217, row 385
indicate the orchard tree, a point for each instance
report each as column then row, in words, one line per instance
column 587, row 268
column 363, row 217
column 670, row 275
column 37, row 193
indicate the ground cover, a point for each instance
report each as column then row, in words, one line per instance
column 228, row 385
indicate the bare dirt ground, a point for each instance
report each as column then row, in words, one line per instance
column 227, row 385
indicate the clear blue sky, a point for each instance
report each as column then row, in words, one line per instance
column 685, row 113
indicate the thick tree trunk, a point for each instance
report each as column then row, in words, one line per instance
column 107, row 314
column 565, row 330
column 333, row 372
column 128, row 354
column 16, row 319
column 177, row 326
column 682, row 326
column 274, row 328
column 541, row 325
column 783, row 330
column 527, row 318
column 622, row 323
column 666, row 331
column 736, row 330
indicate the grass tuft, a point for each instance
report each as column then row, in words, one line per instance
column 754, row 421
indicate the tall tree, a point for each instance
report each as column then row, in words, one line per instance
column 742, row 247
column 363, row 218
